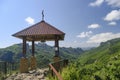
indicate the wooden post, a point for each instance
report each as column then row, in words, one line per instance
column 57, row 57
column 33, row 48
column 24, row 47
column 24, row 60
column 33, row 63
column 56, row 46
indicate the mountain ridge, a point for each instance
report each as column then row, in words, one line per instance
column 43, row 52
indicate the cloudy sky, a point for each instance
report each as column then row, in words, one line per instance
column 85, row 22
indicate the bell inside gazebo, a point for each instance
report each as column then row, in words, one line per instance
column 41, row 31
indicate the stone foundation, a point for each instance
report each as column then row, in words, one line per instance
column 33, row 64
column 23, row 65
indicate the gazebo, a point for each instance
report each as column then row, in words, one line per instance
column 41, row 31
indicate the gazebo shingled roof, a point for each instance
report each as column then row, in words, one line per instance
column 40, row 31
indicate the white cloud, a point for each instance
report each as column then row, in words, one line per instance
column 96, row 3
column 93, row 26
column 85, row 34
column 75, row 41
column 112, row 23
column 113, row 15
column 102, row 37
column 30, row 20
column 114, row 3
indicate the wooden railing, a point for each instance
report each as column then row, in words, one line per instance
column 55, row 71
column 56, row 67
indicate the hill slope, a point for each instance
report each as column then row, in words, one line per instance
column 43, row 52
column 101, row 63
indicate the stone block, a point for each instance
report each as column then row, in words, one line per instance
column 33, row 64
column 23, row 65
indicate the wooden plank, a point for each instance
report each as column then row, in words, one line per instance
column 55, row 71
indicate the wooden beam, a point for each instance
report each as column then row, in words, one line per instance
column 56, row 46
column 33, row 48
column 24, row 47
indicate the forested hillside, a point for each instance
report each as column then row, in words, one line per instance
column 43, row 52
column 101, row 63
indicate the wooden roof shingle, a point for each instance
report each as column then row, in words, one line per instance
column 41, row 30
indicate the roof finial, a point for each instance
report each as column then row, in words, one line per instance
column 42, row 15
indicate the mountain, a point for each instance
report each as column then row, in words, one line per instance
column 101, row 63
column 43, row 52
column 87, row 48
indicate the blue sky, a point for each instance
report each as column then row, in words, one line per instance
column 85, row 22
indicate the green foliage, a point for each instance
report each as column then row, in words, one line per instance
column 101, row 63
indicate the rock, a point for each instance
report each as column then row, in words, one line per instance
column 40, row 77
column 38, row 74
column 31, row 72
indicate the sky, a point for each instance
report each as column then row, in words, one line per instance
column 86, row 23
